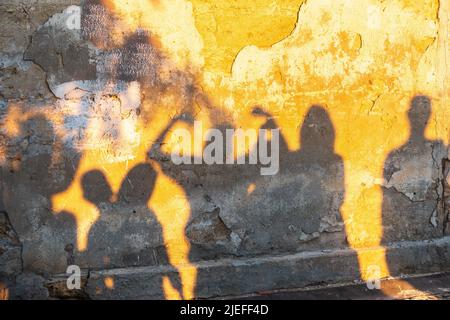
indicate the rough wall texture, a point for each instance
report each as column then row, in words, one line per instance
column 91, row 91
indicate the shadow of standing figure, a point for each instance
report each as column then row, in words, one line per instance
column 39, row 166
column 127, row 232
column 310, row 190
column 319, row 184
column 413, row 177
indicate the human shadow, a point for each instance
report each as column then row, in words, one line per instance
column 127, row 232
column 413, row 176
column 295, row 210
column 311, row 199
column 302, row 204
column 39, row 165
column 318, row 187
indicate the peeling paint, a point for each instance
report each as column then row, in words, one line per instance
column 358, row 89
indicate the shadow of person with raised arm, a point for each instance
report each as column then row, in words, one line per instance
column 297, row 209
column 412, row 180
column 128, row 232
column 209, row 236
column 308, row 192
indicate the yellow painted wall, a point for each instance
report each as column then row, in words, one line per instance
column 363, row 61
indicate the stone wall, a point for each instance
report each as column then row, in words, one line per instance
column 91, row 93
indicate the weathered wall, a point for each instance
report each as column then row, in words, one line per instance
column 359, row 90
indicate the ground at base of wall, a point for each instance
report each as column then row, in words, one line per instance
column 424, row 287
column 249, row 276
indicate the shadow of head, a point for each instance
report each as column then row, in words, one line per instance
column 96, row 188
column 44, row 158
column 419, row 115
column 138, row 185
column 317, row 134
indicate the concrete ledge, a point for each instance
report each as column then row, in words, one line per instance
column 245, row 276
